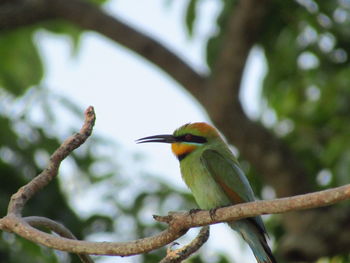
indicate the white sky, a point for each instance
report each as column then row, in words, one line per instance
column 133, row 98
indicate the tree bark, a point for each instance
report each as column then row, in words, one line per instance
column 219, row 94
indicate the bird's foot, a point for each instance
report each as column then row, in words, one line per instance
column 212, row 212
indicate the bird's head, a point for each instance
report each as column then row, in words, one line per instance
column 187, row 138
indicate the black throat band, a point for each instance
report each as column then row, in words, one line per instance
column 182, row 156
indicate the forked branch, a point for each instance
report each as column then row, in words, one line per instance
column 59, row 229
column 178, row 255
column 19, row 199
column 179, row 222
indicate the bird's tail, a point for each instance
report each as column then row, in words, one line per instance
column 255, row 237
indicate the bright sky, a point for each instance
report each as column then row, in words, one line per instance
column 133, row 98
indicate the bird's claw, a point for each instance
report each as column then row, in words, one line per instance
column 194, row 211
column 212, row 213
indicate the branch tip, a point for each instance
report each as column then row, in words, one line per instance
column 164, row 219
column 178, row 255
column 170, row 248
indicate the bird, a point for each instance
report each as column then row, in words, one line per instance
column 215, row 178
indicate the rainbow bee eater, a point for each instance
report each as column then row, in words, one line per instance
column 215, row 178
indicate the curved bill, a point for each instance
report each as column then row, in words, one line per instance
column 165, row 138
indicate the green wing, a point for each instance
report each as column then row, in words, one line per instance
column 230, row 177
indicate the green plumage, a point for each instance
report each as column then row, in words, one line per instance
column 215, row 178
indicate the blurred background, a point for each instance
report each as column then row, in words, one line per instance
column 273, row 76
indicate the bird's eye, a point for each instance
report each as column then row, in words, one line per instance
column 188, row 137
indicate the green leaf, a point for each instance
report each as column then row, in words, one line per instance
column 215, row 41
column 20, row 66
column 191, row 13
column 98, row 2
column 66, row 29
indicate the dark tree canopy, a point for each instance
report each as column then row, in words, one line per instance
column 306, row 90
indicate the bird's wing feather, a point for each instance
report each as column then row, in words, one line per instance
column 230, row 177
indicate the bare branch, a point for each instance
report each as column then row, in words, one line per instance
column 38, row 221
column 19, row 199
column 178, row 223
column 14, row 13
column 14, row 223
column 274, row 160
column 88, row 16
column 91, row 18
column 218, row 94
column 178, row 255
column 243, row 28
column 277, row 206
column 18, row 226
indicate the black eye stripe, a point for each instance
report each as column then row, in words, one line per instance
column 191, row 138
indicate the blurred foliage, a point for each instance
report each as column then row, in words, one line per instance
column 191, row 14
column 305, row 94
column 19, row 57
column 31, row 132
column 24, row 150
column 214, row 42
column 309, row 90
column 25, row 146
column 306, row 91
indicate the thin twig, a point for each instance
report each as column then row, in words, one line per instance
column 19, row 199
column 178, row 255
column 59, row 229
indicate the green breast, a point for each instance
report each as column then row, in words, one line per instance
column 202, row 185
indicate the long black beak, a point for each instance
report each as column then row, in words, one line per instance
column 165, row 138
